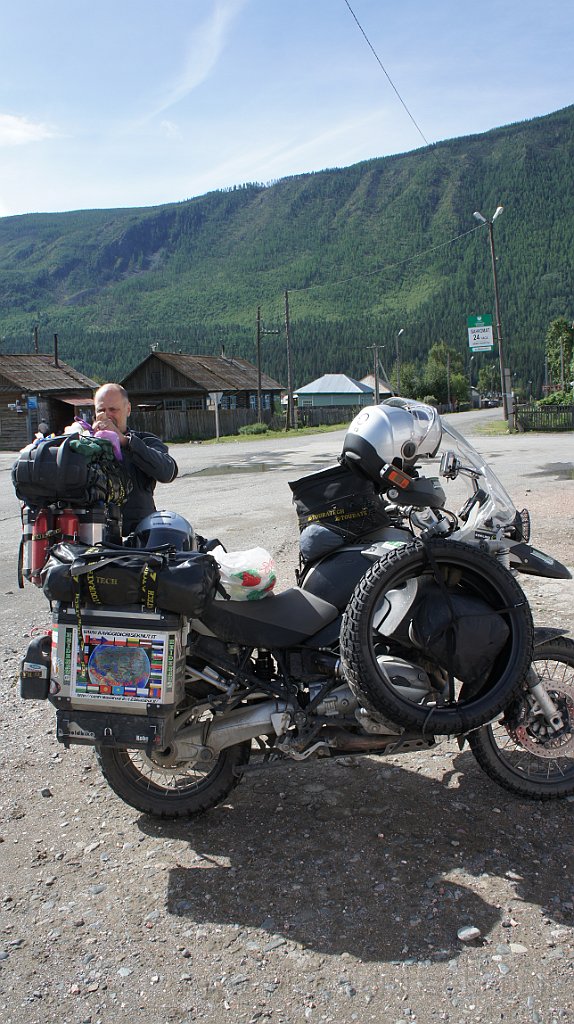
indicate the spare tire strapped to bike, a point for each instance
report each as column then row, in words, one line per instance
column 478, row 576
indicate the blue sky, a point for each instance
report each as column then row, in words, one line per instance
column 139, row 102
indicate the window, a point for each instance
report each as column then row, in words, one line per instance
column 173, row 403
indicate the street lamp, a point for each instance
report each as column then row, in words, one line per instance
column 402, row 330
column 484, row 220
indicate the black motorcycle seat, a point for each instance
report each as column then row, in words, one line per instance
column 278, row 620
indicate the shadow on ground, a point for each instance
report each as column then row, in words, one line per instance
column 369, row 858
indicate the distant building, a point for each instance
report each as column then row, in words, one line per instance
column 39, row 389
column 385, row 389
column 179, row 381
column 334, row 389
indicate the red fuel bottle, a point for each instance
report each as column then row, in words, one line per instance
column 41, row 538
column 67, row 524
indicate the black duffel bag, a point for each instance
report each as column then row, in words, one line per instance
column 184, row 582
column 339, row 499
column 80, row 471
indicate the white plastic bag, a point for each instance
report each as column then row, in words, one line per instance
column 246, row 575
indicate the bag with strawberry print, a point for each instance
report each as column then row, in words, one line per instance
column 246, row 575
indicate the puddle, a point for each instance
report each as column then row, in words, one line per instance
column 225, row 470
column 560, row 470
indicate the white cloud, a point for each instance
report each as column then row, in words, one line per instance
column 205, row 48
column 18, row 131
column 170, row 129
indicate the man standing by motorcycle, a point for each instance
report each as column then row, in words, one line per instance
column 146, row 456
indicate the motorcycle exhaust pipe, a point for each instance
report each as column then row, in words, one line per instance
column 204, row 741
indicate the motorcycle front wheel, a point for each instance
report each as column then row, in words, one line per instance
column 178, row 791
column 519, row 752
column 461, row 568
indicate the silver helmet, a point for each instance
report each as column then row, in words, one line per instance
column 397, row 432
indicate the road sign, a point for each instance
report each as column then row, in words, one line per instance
column 480, row 333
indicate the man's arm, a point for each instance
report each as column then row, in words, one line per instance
column 152, row 456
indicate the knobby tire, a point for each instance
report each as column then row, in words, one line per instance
column 510, row 764
column 484, row 575
column 177, row 794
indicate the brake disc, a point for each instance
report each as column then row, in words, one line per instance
column 531, row 731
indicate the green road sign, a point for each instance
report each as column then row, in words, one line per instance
column 480, row 333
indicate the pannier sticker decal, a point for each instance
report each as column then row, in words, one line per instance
column 56, row 662
column 113, row 664
column 69, row 654
column 170, row 666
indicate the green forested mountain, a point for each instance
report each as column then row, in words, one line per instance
column 363, row 251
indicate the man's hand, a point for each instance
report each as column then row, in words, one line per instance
column 105, row 423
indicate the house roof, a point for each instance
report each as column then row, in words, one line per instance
column 38, row 373
column 334, row 384
column 213, row 373
column 384, row 386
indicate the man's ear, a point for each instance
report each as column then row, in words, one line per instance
column 129, row 408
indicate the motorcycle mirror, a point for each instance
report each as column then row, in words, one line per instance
column 449, row 465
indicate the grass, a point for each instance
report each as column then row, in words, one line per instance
column 275, row 434
column 492, row 428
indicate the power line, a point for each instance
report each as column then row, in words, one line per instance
column 385, row 72
column 388, row 266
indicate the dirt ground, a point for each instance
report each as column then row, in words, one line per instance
column 328, row 892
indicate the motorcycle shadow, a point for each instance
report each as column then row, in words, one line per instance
column 381, row 861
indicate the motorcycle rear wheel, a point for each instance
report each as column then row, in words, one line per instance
column 179, row 792
column 480, row 574
column 528, row 762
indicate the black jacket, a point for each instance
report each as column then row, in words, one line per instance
column 147, row 460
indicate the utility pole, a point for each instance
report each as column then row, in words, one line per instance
column 259, row 364
column 398, row 359
column 260, row 331
column 290, row 420
column 376, row 364
column 484, row 220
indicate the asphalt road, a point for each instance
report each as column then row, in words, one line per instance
column 239, row 492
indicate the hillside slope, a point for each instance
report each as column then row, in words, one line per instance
column 363, row 251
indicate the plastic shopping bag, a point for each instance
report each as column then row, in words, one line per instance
column 246, row 575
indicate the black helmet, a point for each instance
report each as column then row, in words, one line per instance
column 165, row 528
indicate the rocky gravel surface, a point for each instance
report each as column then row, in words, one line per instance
column 395, row 890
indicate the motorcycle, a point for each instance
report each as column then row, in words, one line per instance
column 354, row 660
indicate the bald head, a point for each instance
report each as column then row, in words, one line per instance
column 112, row 408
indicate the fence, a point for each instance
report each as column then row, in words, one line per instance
column 549, row 417
column 193, row 424
column 199, row 424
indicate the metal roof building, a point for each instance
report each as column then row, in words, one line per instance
column 334, row 389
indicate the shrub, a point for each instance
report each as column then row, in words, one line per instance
column 254, row 428
column 557, row 398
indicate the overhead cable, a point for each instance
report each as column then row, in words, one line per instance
column 385, row 72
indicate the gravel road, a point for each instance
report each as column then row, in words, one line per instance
column 329, row 892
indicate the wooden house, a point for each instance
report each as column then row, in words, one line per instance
column 334, row 389
column 37, row 389
column 179, row 381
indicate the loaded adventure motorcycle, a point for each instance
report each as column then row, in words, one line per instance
column 407, row 624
